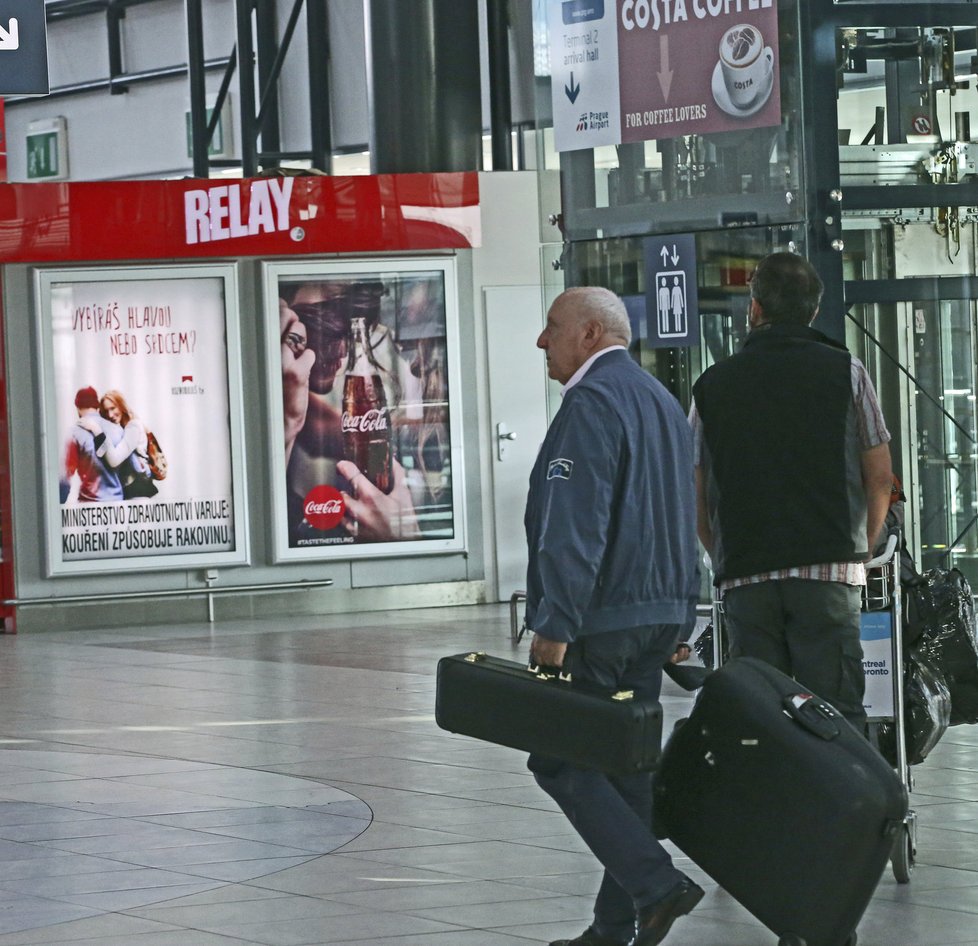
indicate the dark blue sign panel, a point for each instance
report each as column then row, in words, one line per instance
column 23, row 48
column 582, row 11
column 671, row 299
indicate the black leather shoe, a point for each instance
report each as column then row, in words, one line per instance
column 655, row 922
column 589, row 938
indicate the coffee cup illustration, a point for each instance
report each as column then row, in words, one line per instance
column 746, row 65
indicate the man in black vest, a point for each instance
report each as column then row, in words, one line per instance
column 793, row 483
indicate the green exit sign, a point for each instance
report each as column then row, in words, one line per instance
column 47, row 151
column 216, row 148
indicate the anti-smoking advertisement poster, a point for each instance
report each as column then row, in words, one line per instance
column 140, row 433
column 365, row 359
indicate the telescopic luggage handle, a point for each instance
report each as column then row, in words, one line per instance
column 887, row 553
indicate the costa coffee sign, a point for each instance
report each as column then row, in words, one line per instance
column 95, row 221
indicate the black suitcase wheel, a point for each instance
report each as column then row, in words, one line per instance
column 789, row 939
column 903, row 856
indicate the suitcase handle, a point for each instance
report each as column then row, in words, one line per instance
column 545, row 672
column 815, row 715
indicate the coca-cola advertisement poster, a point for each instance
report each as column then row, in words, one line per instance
column 141, row 404
column 364, row 355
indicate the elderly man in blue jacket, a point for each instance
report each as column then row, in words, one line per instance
column 612, row 587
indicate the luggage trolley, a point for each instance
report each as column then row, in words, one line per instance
column 882, row 641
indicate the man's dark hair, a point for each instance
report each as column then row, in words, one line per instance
column 86, row 398
column 787, row 288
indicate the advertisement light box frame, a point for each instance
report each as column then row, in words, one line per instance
column 412, row 307
column 165, row 338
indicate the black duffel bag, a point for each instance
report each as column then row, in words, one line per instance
column 940, row 628
column 927, row 712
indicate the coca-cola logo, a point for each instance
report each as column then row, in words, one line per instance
column 375, row 419
column 323, row 507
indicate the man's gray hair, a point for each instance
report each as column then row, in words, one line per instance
column 596, row 302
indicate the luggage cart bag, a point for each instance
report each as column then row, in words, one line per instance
column 771, row 792
column 510, row 704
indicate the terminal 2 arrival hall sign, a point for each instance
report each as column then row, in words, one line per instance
column 23, row 48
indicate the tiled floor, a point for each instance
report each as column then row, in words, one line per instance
column 287, row 785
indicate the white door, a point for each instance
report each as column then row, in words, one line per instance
column 518, row 419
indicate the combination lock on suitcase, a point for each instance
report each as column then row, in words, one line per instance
column 510, row 704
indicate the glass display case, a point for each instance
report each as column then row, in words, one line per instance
column 906, row 93
column 912, row 321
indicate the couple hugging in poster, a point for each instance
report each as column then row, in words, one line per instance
column 110, row 451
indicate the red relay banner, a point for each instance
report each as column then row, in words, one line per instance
column 197, row 218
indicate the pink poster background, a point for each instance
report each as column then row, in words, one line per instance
column 655, row 104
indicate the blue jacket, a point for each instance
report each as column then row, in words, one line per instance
column 611, row 512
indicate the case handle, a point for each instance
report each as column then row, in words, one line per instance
column 543, row 672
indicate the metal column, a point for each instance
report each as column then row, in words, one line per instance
column 317, row 33
column 268, row 70
column 114, row 14
column 823, row 211
column 500, row 104
column 198, row 93
column 246, row 88
column 424, row 86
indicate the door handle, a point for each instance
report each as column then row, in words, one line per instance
column 504, row 437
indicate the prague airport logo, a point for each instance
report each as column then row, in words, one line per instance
column 593, row 121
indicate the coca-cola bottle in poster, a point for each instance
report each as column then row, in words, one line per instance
column 366, row 419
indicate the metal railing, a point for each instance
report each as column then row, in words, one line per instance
column 209, row 590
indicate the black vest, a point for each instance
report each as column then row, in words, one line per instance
column 781, row 454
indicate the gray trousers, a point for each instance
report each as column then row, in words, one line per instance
column 808, row 630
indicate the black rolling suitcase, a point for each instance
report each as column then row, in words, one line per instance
column 507, row 703
column 787, row 807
